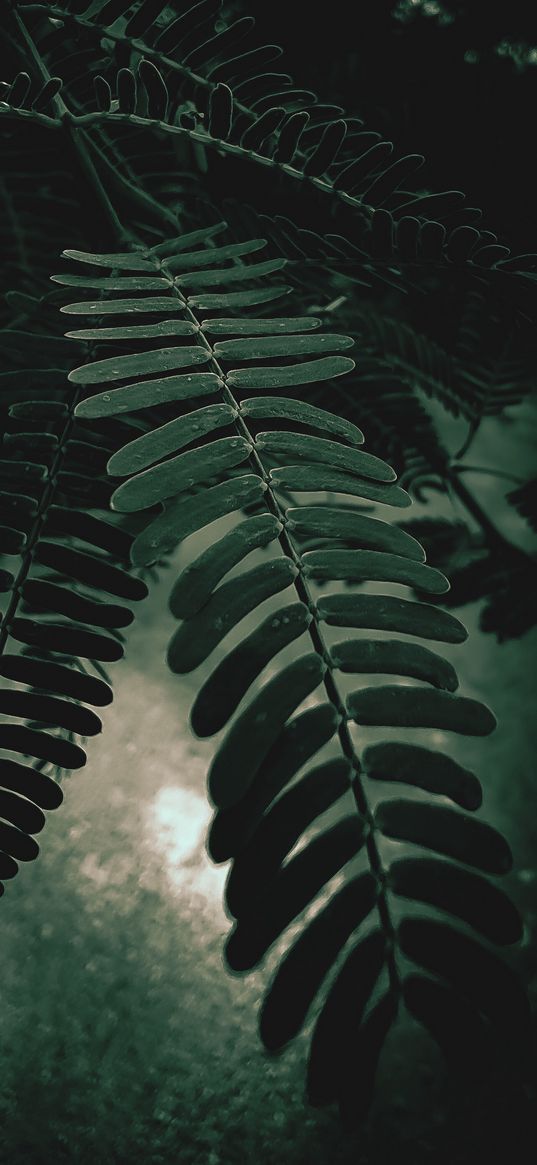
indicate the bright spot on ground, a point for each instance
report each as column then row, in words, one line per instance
column 180, row 820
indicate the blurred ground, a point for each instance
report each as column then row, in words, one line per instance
column 123, row 1039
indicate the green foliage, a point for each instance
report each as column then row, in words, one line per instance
column 192, row 410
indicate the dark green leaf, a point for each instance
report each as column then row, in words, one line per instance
column 115, row 283
column 47, row 93
column 103, row 93
column 359, row 565
column 290, row 135
column 175, row 33
column 286, row 345
column 180, row 473
column 340, row 522
column 223, row 276
column 29, row 782
column 220, row 115
column 381, row 188
column 156, row 89
column 400, row 705
column 453, row 1023
column 353, row 175
column 332, row 1052
column 127, row 260
column 95, row 572
column 47, row 596
column 468, row 896
column 357, row 1086
column 55, row 677
column 255, row 730
column 476, row 972
column 29, row 742
column 259, row 861
column 12, row 541
column 126, row 91
column 156, row 304
column 394, row 656
column 198, row 636
column 87, row 528
column 222, row 692
column 19, row 90
column 20, row 812
column 246, row 327
column 6, row 581
column 327, row 150
column 59, row 713
column 186, row 240
column 135, row 332
column 121, row 367
column 256, row 133
column 210, row 256
column 309, row 479
column 303, row 969
column 238, row 299
column 67, row 639
column 199, row 579
column 297, row 742
column 183, row 516
column 148, row 393
column 436, row 205
column 389, row 613
column 284, row 408
column 289, row 446
column 447, row 831
column 16, row 843
column 144, row 17
column 215, row 45
column 169, row 438
column 433, row 771
column 291, row 891
column 308, row 372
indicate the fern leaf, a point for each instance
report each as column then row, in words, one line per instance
column 424, row 769
column 463, row 895
column 265, row 804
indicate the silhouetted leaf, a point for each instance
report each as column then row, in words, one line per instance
column 333, row 1051
column 255, row 730
column 222, row 692
column 339, row 522
column 308, row 372
column 56, row 677
column 291, row 891
column 301, row 972
column 476, row 972
column 50, row 710
column 388, row 613
column 297, row 742
column 197, row 637
column 18, row 738
column 467, row 896
column 358, row 565
column 280, row 829
column 284, row 408
column 185, row 515
column 394, row 656
column 305, row 478
column 180, row 473
column 404, row 706
column 432, row 771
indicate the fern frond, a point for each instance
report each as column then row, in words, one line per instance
column 189, row 58
column 264, row 805
column 59, row 624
